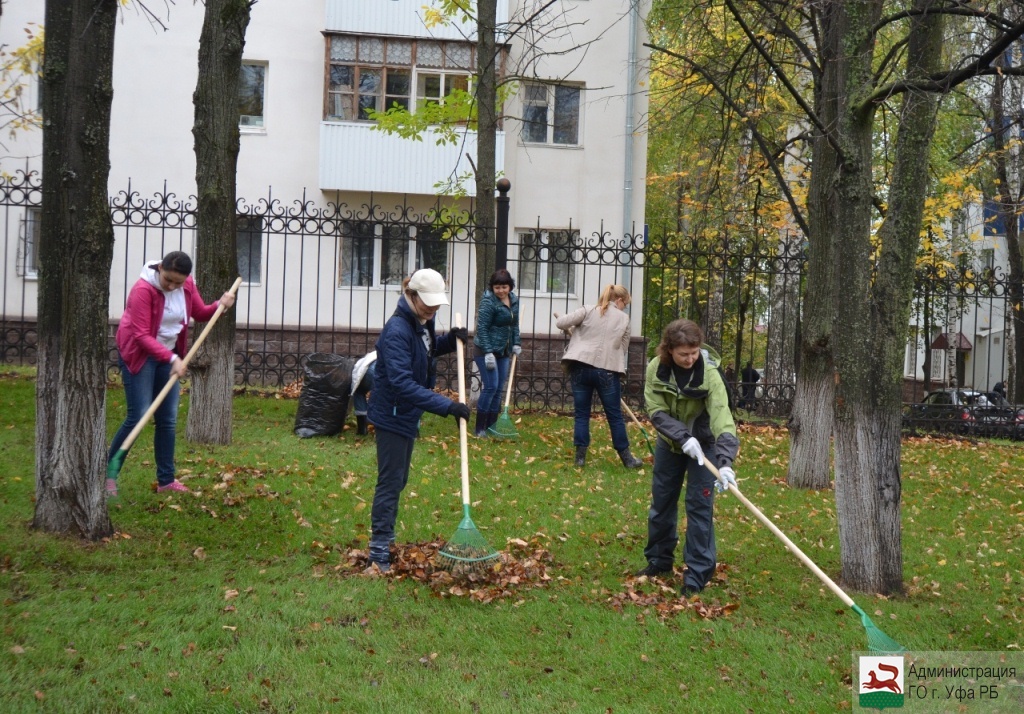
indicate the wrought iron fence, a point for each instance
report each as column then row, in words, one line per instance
column 325, row 276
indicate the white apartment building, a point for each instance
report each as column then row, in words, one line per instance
column 572, row 143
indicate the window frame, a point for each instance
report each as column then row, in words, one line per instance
column 447, row 65
column 552, row 116
column 243, row 125
column 245, row 227
column 543, row 274
column 30, row 230
column 381, row 272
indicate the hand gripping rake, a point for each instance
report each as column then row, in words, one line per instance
column 878, row 641
column 647, row 437
column 466, row 551
column 503, row 428
column 114, row 467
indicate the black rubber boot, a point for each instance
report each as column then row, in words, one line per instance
column 361, row 429
column 480, row 430
column 581, row 456
column 628, row 460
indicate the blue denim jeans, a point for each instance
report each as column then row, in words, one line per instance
column 140, row 390
column 585, row 381
column 491, row 381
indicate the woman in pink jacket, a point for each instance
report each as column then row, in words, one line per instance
column 152, row 340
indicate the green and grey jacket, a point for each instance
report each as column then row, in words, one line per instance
column 699, row 408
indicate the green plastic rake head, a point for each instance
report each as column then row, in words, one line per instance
column 466, row 551
column 878, row 641
column 503, row 428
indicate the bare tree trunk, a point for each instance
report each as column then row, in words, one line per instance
column 874, row 312
column 1009, row 203
column 487, row 128
column 716, row 311
column 216, row 148
column 810, row 423
column 76, row 250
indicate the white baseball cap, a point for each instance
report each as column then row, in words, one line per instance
column 429, row 285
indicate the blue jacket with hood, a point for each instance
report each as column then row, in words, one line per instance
column 405, row 372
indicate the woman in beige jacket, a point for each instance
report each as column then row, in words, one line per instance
column 596, row 360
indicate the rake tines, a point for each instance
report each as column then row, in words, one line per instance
column 466, row 551
column 503, row 428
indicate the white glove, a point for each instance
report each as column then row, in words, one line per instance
column 517, row 350
column 726, row 478
column 691, row 447
column 490, row 362
column 557, row 314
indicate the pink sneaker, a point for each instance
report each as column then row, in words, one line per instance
column 172, row 486
column 110, row 488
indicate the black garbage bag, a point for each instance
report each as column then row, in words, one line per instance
column 326, row 390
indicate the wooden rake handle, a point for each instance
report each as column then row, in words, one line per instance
column 790, row 545
column 631, row 414
column 511, row 377
column 134, row 434
column 463, row 439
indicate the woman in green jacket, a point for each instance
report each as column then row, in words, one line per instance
column 495, row 341
column 688, row 404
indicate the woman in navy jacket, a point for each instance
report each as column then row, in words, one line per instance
column 402, row 390
column 495, row 340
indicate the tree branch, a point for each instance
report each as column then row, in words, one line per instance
column 945, row 81
column 758, row 137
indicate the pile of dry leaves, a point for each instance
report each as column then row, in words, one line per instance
column 523, row 564
column 664, row 598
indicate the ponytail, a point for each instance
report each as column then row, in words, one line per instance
column 610, row 294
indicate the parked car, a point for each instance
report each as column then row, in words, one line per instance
column 1010, row 423
column 967, row 412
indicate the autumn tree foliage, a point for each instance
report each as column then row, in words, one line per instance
column 864, row 74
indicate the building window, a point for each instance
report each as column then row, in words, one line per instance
column 547, row 260
column 431, row 249
column 249, row 248
column 375, row 73
column 251, row 87
column 375, row 254
column 356, row 261
column 28, row 245
column 551, row 114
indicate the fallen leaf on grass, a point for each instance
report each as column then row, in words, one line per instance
column 522, row 565
column 665, row 600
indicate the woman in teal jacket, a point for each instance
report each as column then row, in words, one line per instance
column 495, row 340
column 688, row 404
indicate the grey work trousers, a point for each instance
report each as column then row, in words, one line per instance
column 670, row 471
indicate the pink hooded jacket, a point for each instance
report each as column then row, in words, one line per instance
column 136, row 334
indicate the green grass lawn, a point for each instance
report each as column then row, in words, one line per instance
column 236, row 597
